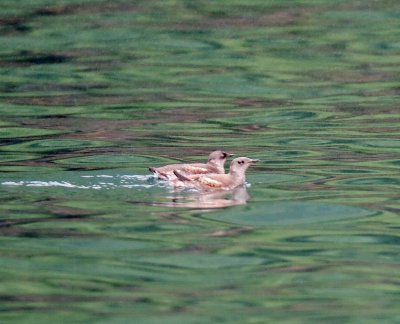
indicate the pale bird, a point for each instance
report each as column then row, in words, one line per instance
column 236, row 177
column 215, row 164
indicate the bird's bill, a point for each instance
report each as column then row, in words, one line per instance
column 254, row 160
column 227, row 154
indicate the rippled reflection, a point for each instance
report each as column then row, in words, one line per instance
column 198, row 199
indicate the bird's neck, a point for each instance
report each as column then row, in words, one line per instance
column 238, row 177
column 218, row 167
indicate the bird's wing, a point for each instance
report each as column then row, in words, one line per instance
column 193, row 169
column 210, row 182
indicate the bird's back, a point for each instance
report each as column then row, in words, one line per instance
column 167, row 172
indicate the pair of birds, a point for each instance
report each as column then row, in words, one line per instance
column 206, row 176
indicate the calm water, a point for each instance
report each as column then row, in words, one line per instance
column 92, row 94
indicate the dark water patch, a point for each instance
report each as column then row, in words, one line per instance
column 13, row 25
column 54, row 145
column 55, row 100
column 200, row 260
column 354, row 77
column 53, row 10
column 50, row 87
column 79, row 8
column 346, row 239
column 367, row 111
column 260, row 102
column 372, row 181
column 55, row 117
column 295, row 269
column 43, row 59
column 356, row 170
column 232, row 19
column 39, row 233
column 393, row 162
column 28, row 15
column 286, row 253
column 75, row 101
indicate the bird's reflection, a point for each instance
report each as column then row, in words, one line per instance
column 216, row 199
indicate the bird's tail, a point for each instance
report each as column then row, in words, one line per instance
column 180, row 176
column 158, row 174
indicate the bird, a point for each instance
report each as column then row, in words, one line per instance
column 213, row 181
column 215, row 164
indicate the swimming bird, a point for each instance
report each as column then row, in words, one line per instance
column 233, row 179
column 215, row 164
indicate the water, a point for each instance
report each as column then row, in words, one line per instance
column 93, row 94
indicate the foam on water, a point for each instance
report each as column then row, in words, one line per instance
column 94, row 182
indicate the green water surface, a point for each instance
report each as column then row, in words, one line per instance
column 93, row 93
